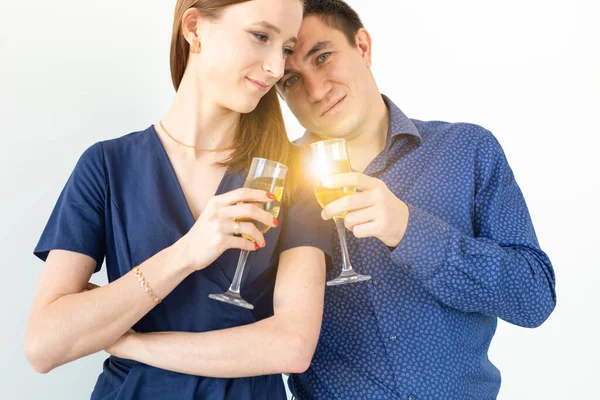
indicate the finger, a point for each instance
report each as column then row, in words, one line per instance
column 234, row 242
column 345, row 204
column 250, row 232
column 354, row 179
column 365, row 230
column 359, row 217
column 246, row 195
column 249, row 211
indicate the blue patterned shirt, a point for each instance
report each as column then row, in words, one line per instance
column 421, row 328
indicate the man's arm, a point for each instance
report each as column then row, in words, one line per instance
column 283, row 343
column 513, row 281
column 501, row 271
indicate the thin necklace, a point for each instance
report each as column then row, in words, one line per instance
column 218, row 149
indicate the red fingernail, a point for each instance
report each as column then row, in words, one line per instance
column 256, row 246
column 271, row 196
column 275, row 222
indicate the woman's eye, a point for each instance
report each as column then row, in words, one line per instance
column 287, row 51
column 261, row 36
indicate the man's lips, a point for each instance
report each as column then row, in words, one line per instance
column 332, row 105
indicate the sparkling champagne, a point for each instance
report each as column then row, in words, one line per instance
column 327, row 195
column 272, row 185
column 330, row 157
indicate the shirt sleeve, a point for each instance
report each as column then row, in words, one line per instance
column 77, row 222
column 303, row 225
column 501, row 271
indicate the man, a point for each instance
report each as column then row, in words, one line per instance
column 440, row 224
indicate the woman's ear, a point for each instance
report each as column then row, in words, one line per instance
column 190, row 27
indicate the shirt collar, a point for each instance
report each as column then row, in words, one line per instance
column 399, row 124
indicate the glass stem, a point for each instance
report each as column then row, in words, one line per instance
column 239, row 271
column 341, row 229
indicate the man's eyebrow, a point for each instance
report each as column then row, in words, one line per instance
column 287, row 71
column 317, row 47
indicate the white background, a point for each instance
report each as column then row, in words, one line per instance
column 74, row 72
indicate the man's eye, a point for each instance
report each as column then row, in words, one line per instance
column 323, row 57
column 290, row 81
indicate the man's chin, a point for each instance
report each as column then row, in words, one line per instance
column 337, row 129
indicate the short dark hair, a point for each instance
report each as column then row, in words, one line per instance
column 337, row 14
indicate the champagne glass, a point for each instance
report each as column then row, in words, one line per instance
column 264, row 175
column 330, row 157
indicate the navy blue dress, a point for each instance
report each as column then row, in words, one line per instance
column 123, row 202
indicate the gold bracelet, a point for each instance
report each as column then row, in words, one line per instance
column 145, row 285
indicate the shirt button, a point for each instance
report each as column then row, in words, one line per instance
column 375, row 282
column 393, row 337
column 411, row 397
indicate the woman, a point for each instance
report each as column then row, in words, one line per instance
column 162, row 204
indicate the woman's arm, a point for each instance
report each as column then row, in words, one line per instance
column 66, row 324
column 283, row 343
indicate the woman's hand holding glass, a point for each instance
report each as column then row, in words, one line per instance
column 220, row 226
column 265, row 175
